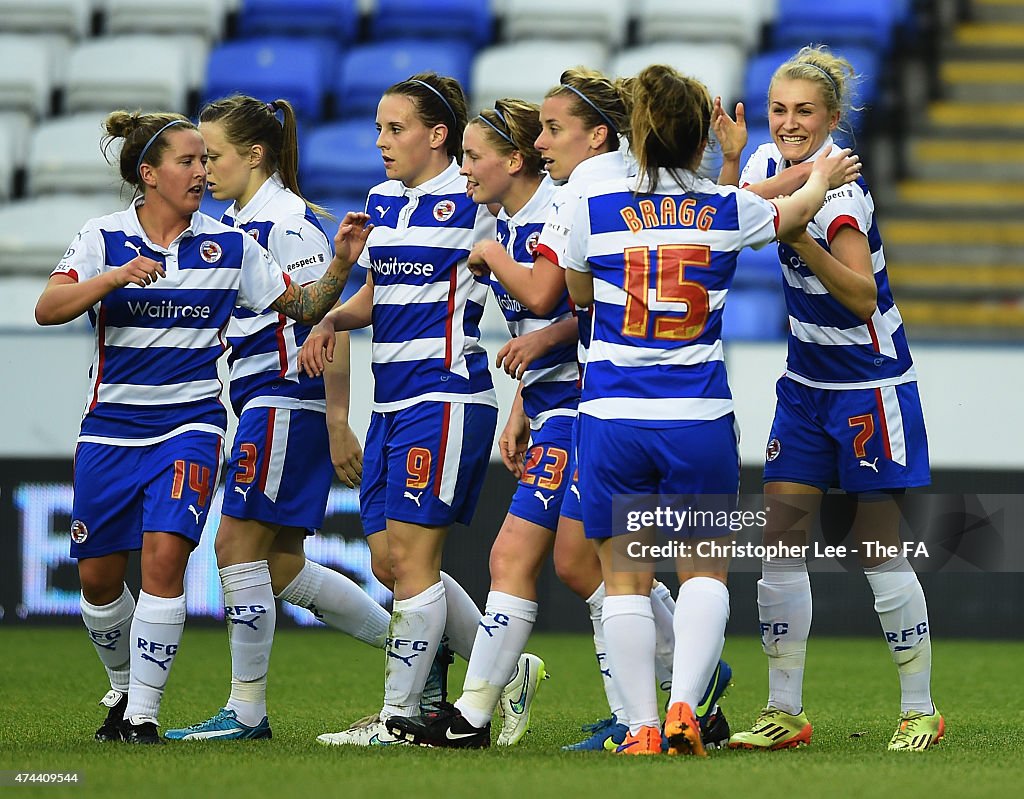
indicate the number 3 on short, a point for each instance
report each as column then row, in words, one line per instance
column 672, row 287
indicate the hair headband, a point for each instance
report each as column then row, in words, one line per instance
column 448, row 105
column 495, row 128
column 823, row 72
column 590, row 102
column 153, row 138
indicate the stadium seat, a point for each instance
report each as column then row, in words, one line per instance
column 14, row 137
column 203, row 17
column 718, row 65
column 754, row 314
column 335, row 19
column 341, row 157
column 862, row 23
column 567, row 19
column 758, row 269
column 466, row 20
column 268, row 69
column 736, row 21
column 367, row 70
column 529, row 69
column 26, row 74
column 71, row 18
column 65, row 156
column 35, row 233
column 99, row 77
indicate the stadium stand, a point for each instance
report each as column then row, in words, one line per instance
column 70, row 18
column 336, row 19
column 206, row 18
column 63, row 157
column 735, row 21
column 465, row 20
column 606, row 21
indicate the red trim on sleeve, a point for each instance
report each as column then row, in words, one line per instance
column 743, row 185
column 287, row 279
column 70, row 273
column 543, row 250
column 775, row 221
column 840, row 222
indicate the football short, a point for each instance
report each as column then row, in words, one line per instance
column 539, row 494
column 618, row 458
column 861, row 440
column 122, row 492
column 280, row 468
column 425, row 464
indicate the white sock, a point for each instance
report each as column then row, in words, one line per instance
column 109, row 629
column 156, row 635
column 501, row 637
column 417, row 625
column 463, row 617
column 338, row 602
column 903, row 612
column 629, row 630
column 596, row 605
column 784, row 610
column 664, row 607
column 702, row 611
column 251, row 615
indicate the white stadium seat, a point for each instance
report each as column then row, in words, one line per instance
column 35, row 233
column 719, row 66
column 14, row 137
column 607, row 20
column 65, row 156
column 204, row 17
column 70, row 17
column 528, row 69
column 737, row 21
column 25, row 75
column 148, row 72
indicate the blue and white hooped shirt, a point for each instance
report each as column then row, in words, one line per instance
column 154, row 368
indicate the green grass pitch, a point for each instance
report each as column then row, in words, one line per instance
column 50, row 681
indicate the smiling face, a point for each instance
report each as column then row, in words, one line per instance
column 180, row 177
column 564, row 140
column 798, row 118
column 231, row 174
column 413, row 153
column 488, row 172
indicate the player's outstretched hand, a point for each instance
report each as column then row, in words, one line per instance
column 730, row 133
column 351, row 236
column 318, row 349
column 839, row 167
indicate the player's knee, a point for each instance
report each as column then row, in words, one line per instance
column 99, row 589
column 383, row 572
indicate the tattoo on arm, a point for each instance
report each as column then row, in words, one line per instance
column 309, row 304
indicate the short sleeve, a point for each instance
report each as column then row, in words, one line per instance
column 262, row 280
column 575, row 256
column 845, row 206
column 84, row 257
column 485, row 226
column 301, row 249
column 756, row 168
column 554, row 236
column 758, row 219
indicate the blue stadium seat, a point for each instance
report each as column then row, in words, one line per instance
column 757, row 269
column 368, row 69
column 338, row 19
column 754, row 314
column 268, row 69
column 466, row 20
column 863, row 23
column 338, row 205
column 212, row 207
column 341, row 158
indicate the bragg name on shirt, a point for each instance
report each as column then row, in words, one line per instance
column 674, row 212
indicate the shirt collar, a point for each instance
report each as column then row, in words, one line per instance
column 607, row 164
column 535, row 208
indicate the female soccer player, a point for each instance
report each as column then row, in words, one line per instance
column 159, row 282
column 655, row 256
column 582, row 119
column 280, row 470
column 847, row 409
column 435, row 411
column 502, row 166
